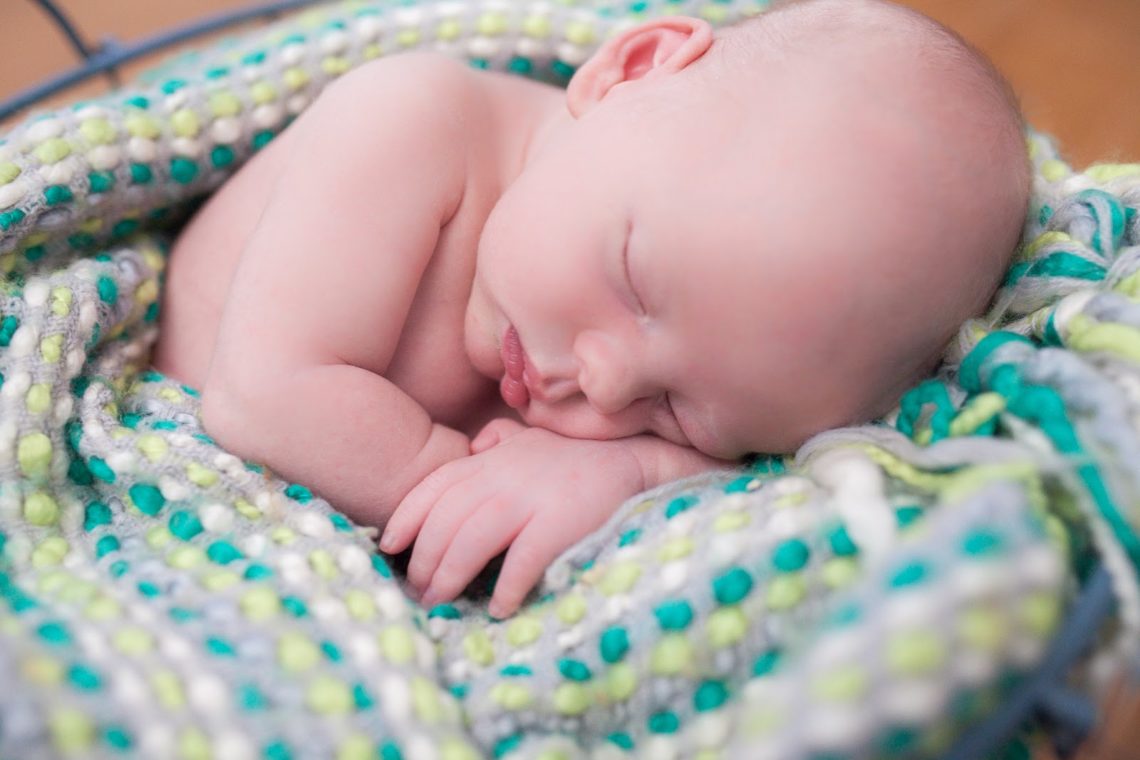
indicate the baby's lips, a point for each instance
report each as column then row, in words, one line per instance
column 514, row 359
column 514, row 392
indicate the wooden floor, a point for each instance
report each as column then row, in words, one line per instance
column 1075, row 64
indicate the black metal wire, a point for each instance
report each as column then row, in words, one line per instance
column 1044, row 689
column 64, row 23
column 108, row 57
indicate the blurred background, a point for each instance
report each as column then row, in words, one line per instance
column 1074, row 63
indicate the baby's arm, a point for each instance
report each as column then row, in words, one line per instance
column 322, row 291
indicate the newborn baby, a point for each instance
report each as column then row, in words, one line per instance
column 483, row 311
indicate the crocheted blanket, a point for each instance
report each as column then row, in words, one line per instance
column 876, row 594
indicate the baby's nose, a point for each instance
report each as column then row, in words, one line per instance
column 551, row 390
column 606, row 376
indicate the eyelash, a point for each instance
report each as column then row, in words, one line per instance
column 625, row 269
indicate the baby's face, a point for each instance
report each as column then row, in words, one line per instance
column 715, row 268
column 661, row 267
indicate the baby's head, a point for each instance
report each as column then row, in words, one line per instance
column 738, row 240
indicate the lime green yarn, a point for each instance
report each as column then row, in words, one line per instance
column 53, row 150
column 34, row 455
column 41, row 509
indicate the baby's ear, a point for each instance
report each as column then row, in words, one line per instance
column 661, row 46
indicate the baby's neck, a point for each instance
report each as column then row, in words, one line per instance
column 526, row 113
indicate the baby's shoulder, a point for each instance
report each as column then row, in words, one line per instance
column 417, row 83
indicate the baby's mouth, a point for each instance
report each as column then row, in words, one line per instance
column 513, row 387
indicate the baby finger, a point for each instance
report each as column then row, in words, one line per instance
column 533, row 550
column 476, row 542
column 443, row 521
column 409, row 516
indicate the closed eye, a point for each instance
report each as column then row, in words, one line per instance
column 625, row 269
column 667, row 404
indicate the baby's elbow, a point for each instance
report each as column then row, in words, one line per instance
column 227, row 419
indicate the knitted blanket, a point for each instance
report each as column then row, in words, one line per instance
column 875, row 595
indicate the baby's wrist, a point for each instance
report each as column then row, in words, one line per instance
column 443, row 445
column 663, row 461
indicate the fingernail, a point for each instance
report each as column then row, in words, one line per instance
column 495, row 610
column 387, row 541
column 428, row 598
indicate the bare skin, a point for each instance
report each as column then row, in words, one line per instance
column 296, row 338
column 497, row 346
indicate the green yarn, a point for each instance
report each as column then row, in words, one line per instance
column 8, row 327
column 250, row 698
column 10, row 218
column 972, row 363
column 506, row 745
column 709, row 696
column 1116, row 214
column 117, row 738
column 220, row 647
column 256, row 572
column 147, row 498
column 679, row 505
column 621, row 739
column 299, row 493
column 108, row 290
column 141, row 174
column 96, row 514
column 664, row 722
column 54, row 633
column 183, row 170
column 221, row 156
column 791, row 555
column 574, row 670
column 732, row 586
column 185, row 525
column 445, row 611
column 389, row 750
column 912, row 403
column 907, row 516
column 674, row 615
column 1064, row 264
column 106, row 545
column 84, row 678
column 223, row 552
column 57, row 194
column 613, row 644
column 910, row 574
column 983, row 542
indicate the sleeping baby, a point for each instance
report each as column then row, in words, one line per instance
column 481, row 312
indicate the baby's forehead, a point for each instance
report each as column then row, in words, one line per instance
column 856, row 41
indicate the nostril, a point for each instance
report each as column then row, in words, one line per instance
column 554, row 389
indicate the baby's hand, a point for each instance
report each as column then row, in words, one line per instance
column 527, row 488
